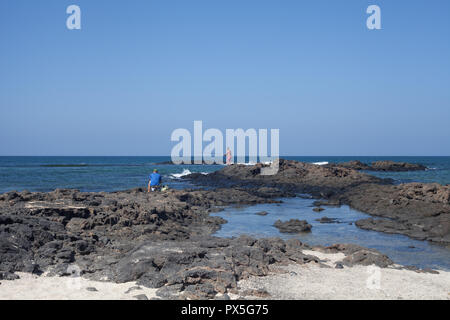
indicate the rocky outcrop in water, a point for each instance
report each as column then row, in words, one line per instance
column 293, row 226
column 418, row 210
column 188, row 163
column 292, row 176
column 327, row 220
column 354, row 164
column 384, row 165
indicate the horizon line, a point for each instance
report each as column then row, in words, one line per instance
column 143, row 156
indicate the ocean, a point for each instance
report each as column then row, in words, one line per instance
column 120, row 173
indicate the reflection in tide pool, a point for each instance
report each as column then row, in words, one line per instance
column 400, row 249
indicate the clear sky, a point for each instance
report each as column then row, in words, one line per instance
column 137, row 70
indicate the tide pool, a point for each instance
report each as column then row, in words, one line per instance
column 401, row 249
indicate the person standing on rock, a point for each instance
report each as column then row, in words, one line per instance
column 154, row 181
column 228, row 156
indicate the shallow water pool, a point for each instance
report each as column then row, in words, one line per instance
column 401, row 249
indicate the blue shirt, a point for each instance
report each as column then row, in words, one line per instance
column 155, row 179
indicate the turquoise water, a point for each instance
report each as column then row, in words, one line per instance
column 119, row 173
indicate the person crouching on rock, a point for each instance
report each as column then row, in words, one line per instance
column 154, row 181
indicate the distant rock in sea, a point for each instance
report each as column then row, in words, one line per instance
column 327, row 220
column 188, row 163
column 383, row 165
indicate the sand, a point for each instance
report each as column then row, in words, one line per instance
column 312, row 281
column 309, row 281
column 32, row 287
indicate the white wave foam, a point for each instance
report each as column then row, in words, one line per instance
column 185, row 173
column 182, row 174
column 247, row 163
column 254, row 163
column 321, row 163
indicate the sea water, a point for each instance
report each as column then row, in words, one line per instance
column 90, row 174
column 120, row 173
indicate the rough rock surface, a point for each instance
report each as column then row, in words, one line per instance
column 418, row 210
column 203, row 267
column 383, row 165
column 160, row 240
column 327, row 220
column 41, row 229
column 292, row 176
column 293, row 226
column 357, row 255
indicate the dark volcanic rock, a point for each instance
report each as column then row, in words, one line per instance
column 418, row 210
column 133, row 289
column 355, row 164
column 357, row 255
column 261, row 293
column 327, row 220
column 159, row 240
column 318, row 209
column 293, row 226
column 262, row 213
column 292, row 176
column 396, row 166
column 38, row 230
column 8, row 276
column 366, row 258
column 383, row 165
column 198, row 271
column 329, row 203
column 188, row 163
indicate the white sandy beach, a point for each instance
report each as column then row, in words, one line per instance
column 309, row 281
column 32, row 287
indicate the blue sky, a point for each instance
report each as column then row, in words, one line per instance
column 137, row 70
